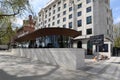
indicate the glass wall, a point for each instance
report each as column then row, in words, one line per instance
column 54, row 41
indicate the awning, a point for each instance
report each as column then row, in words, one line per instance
column 47, row 32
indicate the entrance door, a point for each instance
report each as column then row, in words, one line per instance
column 79, row 44
column 89, row 48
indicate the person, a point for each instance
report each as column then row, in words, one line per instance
column 95, row 59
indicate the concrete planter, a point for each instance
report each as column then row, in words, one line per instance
column 69, row 58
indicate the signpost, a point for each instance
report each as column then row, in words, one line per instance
column 97, row 40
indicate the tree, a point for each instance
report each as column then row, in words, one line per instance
column 117, row 35
column 13, row 7
column 10, row 9
column 7, row 35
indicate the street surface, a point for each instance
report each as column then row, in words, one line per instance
column 16, row 68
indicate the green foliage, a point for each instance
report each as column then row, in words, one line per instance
column 13, row 8
column 9, row 9
column 7, row 35
column 116, row 37
column 117, row 42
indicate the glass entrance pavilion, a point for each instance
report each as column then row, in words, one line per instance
column 50, row 38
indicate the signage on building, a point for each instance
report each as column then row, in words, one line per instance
column 22, row 34
column 97, row 39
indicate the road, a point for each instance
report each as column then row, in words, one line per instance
column 16, row 68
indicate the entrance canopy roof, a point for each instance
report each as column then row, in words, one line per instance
column 47, row 32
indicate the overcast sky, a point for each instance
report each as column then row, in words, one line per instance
column 115, row 6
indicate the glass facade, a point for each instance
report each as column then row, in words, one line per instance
column 54, row 41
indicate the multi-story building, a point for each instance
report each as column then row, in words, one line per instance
column 89, row 17
column 27, row 28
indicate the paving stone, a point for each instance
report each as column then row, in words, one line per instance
column 16, row 68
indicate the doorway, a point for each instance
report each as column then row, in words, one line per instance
column 79, row 44
column 89, row 48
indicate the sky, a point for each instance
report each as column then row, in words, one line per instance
column 114, row 5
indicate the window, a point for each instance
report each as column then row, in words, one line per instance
column 70, row 9
column 107, row 20
column 40, row 15
column 79, row 5
column 107, row 31
column 79, row 13
column 45, row 26
column 49, row 8
column 70, row 24
column 59, row 2
column 64, row 26
column 80, row 33
column 46, row 11
column 58, row 15
column 53, row 17
column 39, row 24
column 70, row 16
column 58, row 8
column 53, row 11
column 88, row 1
column 40, row 19
column 49, row 14
column 64, row 0
column 48, row 25
column 89, row 31
column 79, row 23
column 78, row 0
column 53, row 23
column 64, row 12
column 89, row 20
column 54, row 6
column 103, row 48
column 49, row 19
column 88, row 9
column 58, row 21
column 45, row 21
column 64, row 19
column 45, row 16
column 65, row 5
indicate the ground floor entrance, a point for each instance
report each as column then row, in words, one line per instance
column 105, row 49
column 89, row 48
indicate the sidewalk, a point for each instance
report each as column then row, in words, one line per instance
column 16, row 68
column 5, row 52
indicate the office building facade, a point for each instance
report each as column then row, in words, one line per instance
column 89, row 17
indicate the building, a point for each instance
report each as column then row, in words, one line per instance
column 28, row 27
column 89, row 17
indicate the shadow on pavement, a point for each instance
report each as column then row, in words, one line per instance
column 116, row 62
column 39, row 77
column 6, row 76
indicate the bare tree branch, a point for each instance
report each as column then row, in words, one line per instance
column 1, row 15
